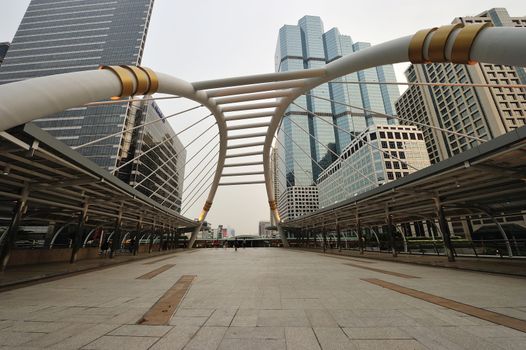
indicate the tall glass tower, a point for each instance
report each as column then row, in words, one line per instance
column 305, row 46
column 65, row 36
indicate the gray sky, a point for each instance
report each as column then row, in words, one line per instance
column 206, row 39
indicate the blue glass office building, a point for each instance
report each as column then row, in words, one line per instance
column 306, row 45
column 65, row 36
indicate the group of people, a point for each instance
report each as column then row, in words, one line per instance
column 107, row 246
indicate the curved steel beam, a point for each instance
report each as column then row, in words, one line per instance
column 56, row 93
column 465, row 45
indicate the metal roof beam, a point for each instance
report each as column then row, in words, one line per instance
column 248, row 126
column 246, row 136
column 245, row 145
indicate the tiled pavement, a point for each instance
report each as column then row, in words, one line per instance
column 265, row 298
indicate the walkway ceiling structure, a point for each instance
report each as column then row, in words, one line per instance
column 256, row 96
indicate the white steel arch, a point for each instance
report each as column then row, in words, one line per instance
column 24, row 101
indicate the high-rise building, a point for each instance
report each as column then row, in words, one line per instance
column 305, row 46
column 3, row 51
column 262, row 229
column 483, row 113
column 159, row 172
column 64, row 36
column 380, row 154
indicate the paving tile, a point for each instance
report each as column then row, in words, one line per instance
column 141, row 330
column 301, row 338
column 221, row 317
column 18, row 338
column 252, row 344
column 333, row 338
column 255, row 333
column 124, row 343
column 494, row 331
column 84, row 337
column 207, row 338
column 389, row 344
column 320, row 318
column 188, row 321
column 176, row 339
column 246, row 317
column 194, row 312
column 376, row 333
column 282, row 318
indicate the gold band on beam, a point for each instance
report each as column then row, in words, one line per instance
column 464, row 42
column 142, row 78
column 416, row 46
column 437, row 46
column 154, row 81
column 207, row 206
column 272, row 205
column 125, row 78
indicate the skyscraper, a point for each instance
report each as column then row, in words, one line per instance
column 305, row 46
column 483, row 113
column 3, row 51
column 159, row 172
column 65, row 36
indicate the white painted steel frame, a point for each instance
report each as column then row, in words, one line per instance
column 24, row 101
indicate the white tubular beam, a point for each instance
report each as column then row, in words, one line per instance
column 250, row 115
column 246, row 89
column 242, row 164
column 240, row 183
column 252, row 97
column 259, row 78
column 247, row 136
column 246, row 145
column 245, row 154
column 245, row 107
column 248, row 126
column 245, row 174
column 27, row 100
column 501, row 45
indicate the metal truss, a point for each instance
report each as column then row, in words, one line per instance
column 264, row 97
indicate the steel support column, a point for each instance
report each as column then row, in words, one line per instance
column 324, row 235
column 8, row 239
column 444, row 228
column 338, row 235
column 77, row 239
column 116, row 241
column 391, row 232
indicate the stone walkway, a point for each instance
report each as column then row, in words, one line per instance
column 264, row 298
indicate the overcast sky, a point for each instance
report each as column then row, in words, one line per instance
column 206, row 39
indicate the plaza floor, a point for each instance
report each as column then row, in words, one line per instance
column 265, row 298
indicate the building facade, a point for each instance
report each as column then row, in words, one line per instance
column 396, row 151
column 483, row 113
column 159, row 172
column 307, row 140
column 262, row 229
column 3, row 51
column 65, row 36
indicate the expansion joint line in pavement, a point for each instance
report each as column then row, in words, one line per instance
column 483, row 314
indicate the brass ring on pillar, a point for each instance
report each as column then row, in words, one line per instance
column 154, row 81
column 125, row 79
column 416, row 46
column 437, row 46
column 143, row 80
column 464, row 42
column 272, row 205
column 207, row 206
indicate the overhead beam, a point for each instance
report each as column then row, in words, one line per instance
column 252, row 97
column 250, row 115
column 245, row 154
column 248, row 126
column 241, row 183
column 245, row 174
column 259, row 78
column 246, row 89
column 242, row 164
column 246, row 136
column 245, row 145
column 244, row 107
